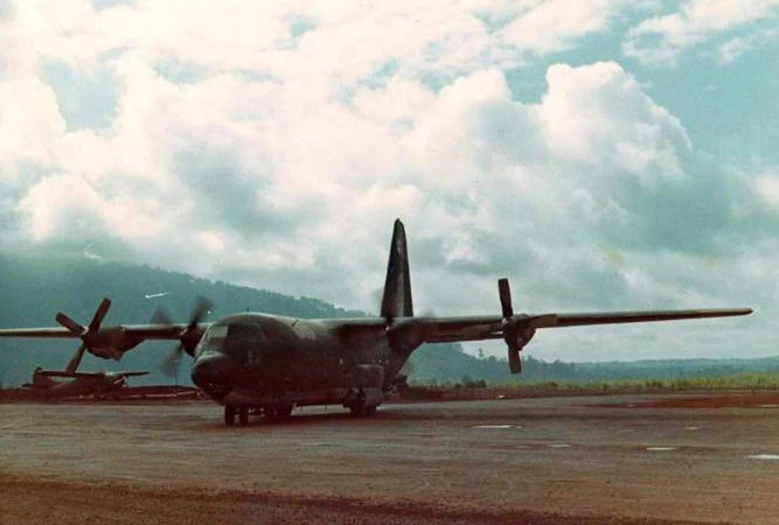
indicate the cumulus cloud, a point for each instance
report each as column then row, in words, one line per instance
column 768, row 188
column 733, row 48
column 660, row 40
column 277, row 153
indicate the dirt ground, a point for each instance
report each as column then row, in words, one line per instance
column 703, row 400
column 619, row 459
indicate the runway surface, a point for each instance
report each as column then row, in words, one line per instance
column 609, row 459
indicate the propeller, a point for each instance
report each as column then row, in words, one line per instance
column 518, row 330
column 504, row 291
column 90, row 336
column 188, row 338
column 76, row 359
column 510, row 328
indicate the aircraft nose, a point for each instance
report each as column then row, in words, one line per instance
column 215, row 374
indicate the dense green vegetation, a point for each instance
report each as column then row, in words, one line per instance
column 433, row 365
column 35, row 289
column 756, row 381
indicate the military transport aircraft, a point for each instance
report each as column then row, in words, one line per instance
column 259, row 362
column 81, row 383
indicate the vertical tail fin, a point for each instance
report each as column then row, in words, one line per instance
column 396, row 301
column 39, row 380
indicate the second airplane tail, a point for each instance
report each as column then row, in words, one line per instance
column 39, row 379
column 396, row 301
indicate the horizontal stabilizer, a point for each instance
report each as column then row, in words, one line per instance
column 73, row 375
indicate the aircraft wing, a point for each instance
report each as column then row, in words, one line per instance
column 142, row 331
column 112, row 342
column 460, row 329
column 71, row 375
column 518, row 330
column 132, row 374
column 37, row 332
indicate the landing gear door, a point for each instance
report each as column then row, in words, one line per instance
column 367, row 384
column 369, row 376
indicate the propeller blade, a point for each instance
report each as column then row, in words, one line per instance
column 202, row 309
column 191, row 335
column 75, row 361
column 515, row 362
column 188, row 338
column 505, row 298
column 161, row 316
column 170, row 365
column 70, row 324
column 100, row 314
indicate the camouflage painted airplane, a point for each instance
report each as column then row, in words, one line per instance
column 81, row 383
column 259, row 362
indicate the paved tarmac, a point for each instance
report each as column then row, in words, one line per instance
column 606, row 459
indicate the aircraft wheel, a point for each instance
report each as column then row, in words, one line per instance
column 358, row 409
column 243, row 415
column 357, row 406
column 370, row 411
column 229, row 415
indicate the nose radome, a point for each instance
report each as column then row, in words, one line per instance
column 214, row 371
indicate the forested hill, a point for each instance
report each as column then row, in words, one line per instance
column 34, row 290
column 433, row 365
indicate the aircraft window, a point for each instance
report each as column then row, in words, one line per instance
column 242, row 339
column 303, row 330
column 215, row 337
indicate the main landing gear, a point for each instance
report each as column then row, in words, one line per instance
column 271, row 413
column 359, row 408
column 231, row 412
column 230, row 415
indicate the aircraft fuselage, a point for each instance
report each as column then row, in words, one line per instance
column 260, row 360
column 82, row 386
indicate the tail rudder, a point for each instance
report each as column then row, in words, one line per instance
column 39, row 380
column 396, row 301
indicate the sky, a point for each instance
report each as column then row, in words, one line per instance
column 601, row 154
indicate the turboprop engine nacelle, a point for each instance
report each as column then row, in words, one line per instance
column 518, row 330
column 107, row 343
column 517, row 335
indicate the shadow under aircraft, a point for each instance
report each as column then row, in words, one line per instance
column 268, row 364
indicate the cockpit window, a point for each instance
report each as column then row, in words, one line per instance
column 214, row 338
column 243, row 338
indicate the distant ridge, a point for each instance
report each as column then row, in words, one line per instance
column 34, row 289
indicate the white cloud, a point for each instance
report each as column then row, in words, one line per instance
column 661, row 39
column 731, row 50
column 250, row 152
column 344, row 43
column 554, row 25
column 768, row 189
column 30, row 124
